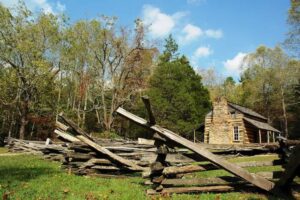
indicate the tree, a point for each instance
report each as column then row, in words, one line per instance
column 229, row 88
column 110, row 64
column 28, row 48
column 179, row 99
column 170, row 51
column 268, row 84
column 213, row 81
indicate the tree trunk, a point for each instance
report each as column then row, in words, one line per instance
column 85, row 106
column 3, row 125
column 105, row 120
column 284, row 113
column 98, row 116
column 78, row 114
column 24, row 120
column 58, row 96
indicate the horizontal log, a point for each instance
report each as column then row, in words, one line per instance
column 72, row 156
column 291, row 142
column 257, row 163
column 244, row 164
column 145, row 141
column 181, row 170
column 101, row 167
column 114, row 176
column 75, row 163
column 180, row 190
column 95, row 161
column 127, row 149
column 202, row 181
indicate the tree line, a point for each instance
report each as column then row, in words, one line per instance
column 91, row 67
column 269, row 85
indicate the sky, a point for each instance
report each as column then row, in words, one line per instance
column 211, row 33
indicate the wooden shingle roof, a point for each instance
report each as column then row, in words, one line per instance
column 261, row 125
column 246, row 111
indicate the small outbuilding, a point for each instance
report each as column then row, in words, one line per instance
column 229, row 123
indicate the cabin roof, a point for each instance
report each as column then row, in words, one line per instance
column 241, row 109
column 261, row 125
column 246, row 111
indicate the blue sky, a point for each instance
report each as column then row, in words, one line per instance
column 211, row 33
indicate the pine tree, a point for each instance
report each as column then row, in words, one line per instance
column 179, row 99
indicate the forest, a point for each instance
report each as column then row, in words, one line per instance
column 88, row 68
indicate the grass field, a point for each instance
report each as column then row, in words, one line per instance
column 3, row 150
column 30, row 177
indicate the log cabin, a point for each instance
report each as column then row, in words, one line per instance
column 229, row 123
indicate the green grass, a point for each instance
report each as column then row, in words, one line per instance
column 214, row 173
column 3, row 150
column 30, row 177
column 270, row 157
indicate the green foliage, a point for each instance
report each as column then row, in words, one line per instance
column 229, row 81
column 179, row 99
column 268, row 86
column 86, row 70
column 170, row 52
column 28, row 59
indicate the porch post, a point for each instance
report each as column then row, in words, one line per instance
column 273, row 136
column 259, row 134
column 268, row 136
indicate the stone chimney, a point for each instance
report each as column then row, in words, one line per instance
column 220, row 109
column 219, row 131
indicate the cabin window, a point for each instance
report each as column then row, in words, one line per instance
column 236, row 133
column 233, row 115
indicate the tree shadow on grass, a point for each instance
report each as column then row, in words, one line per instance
column 21, row 174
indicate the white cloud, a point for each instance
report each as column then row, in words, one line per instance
column 190, row 33
column 37, row 5
column 60, row 7
column 202, row 52
column 160, row 24
column 234, row 66
column 214, row 33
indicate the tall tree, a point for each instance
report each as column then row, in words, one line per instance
column 112, row 64
column 28, row 48
column 180, row 101
column 268, row 84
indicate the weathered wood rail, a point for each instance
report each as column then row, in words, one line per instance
column 162, row 176
column 236, row 170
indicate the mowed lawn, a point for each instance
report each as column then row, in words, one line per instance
column 31, row 177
